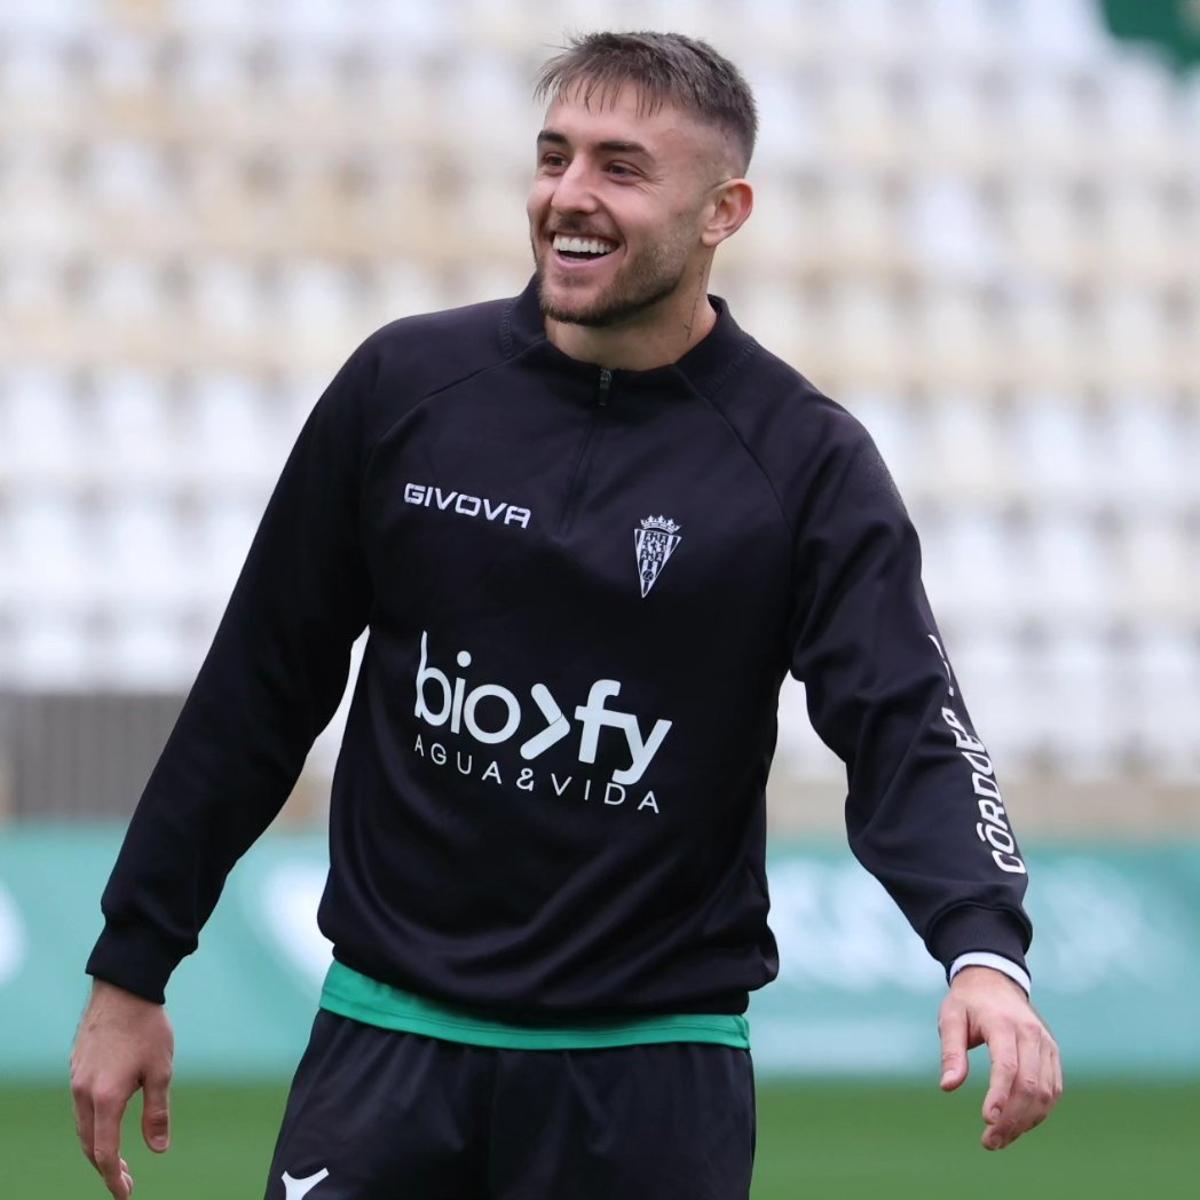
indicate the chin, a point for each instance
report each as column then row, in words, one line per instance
column 565, row 304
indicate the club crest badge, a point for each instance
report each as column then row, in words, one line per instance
column 655, row 543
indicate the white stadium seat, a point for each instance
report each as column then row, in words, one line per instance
column 977, row 226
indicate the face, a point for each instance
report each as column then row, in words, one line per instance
column 633, row 186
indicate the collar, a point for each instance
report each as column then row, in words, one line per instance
column 700, row 368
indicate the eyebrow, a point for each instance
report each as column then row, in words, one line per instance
column 611, row 145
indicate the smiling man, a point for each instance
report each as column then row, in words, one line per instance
column 591, row 528
column 635, row 188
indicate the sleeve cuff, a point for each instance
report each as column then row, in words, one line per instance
column 982, row 958
column 134, row 958
column 971, row 927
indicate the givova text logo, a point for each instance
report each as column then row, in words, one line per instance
column 442, row 700
column 466, row 506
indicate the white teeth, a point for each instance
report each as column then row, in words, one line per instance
column 582, row 245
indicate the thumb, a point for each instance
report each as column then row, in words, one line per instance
column 156, row 1114
column 953, row 1028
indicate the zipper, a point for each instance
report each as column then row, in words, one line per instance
column 599, row 401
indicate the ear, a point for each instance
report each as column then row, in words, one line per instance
column 728, row 209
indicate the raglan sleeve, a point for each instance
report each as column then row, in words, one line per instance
column 270, row 682
column 924, row 810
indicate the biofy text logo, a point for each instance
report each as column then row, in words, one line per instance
column 441, row 700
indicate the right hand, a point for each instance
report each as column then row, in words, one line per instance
column 124, row 1042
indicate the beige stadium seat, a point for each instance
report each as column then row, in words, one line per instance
column 1157, row 574
column 136, row 442
column 485, row 219
column 948, row 231
column 146, row 652
column 1137, row 230
column 879, row 30
column 1078, row 703
column 50, row 539
column 40, row 217
column 1073, row 573
column 858, row 232
column 952, row 343
column 1047, row 138
column 230, row 438
column 319, row 299
column 956, row 31
column 1055, row 33
column 35, row 72
column 125, row 291
column 1164, row 666
column 964, row 448
column 147, row 563
column 1045, row 350
column 1146, row 466
column 858, row 119
column 950, row 132
column 1053, row 444
column 1044, row 232
column 479, row 80
column 1144, row 125
column 226, row 293
column 865, row 330
column 50, row 650
column 44, row 443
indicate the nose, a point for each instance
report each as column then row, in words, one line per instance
column 573, row 189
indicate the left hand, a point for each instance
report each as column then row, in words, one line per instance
column 984, row 1005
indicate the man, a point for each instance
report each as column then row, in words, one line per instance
column 590, row 529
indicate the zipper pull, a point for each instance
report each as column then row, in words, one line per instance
column 605, row 384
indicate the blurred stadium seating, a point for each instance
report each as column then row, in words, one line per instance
column 977, row 227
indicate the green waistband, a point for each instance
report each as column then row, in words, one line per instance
column 351, row 994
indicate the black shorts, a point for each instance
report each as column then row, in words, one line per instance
column 375, row 1114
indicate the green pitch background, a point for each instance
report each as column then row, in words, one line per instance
column 844, row 1140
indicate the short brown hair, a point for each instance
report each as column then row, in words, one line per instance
column 664, row 67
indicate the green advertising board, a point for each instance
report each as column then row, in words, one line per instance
column 1173, row 26
column 1115, row 961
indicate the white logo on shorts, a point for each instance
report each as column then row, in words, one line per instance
column 299, row 1188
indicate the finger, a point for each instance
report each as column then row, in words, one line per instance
column 81, row 1098
column 952, row 1025
column 1048, row 1095
column 1002, row 1046
column 109, row 1107
column 1053, row 1077
column 156, row 1112
column 1030, row 1094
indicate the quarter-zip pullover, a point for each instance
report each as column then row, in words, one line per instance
column 584, row 588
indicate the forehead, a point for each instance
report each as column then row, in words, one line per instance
column 625, row 113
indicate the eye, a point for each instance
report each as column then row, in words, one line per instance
column 551, row 159
column 621, row 169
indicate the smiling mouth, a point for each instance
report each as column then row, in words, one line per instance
column 574, row 249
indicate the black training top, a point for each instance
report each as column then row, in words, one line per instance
column 584, row 588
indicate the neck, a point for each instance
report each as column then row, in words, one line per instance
column 656, row 337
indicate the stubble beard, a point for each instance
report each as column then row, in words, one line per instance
column 640, row 284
